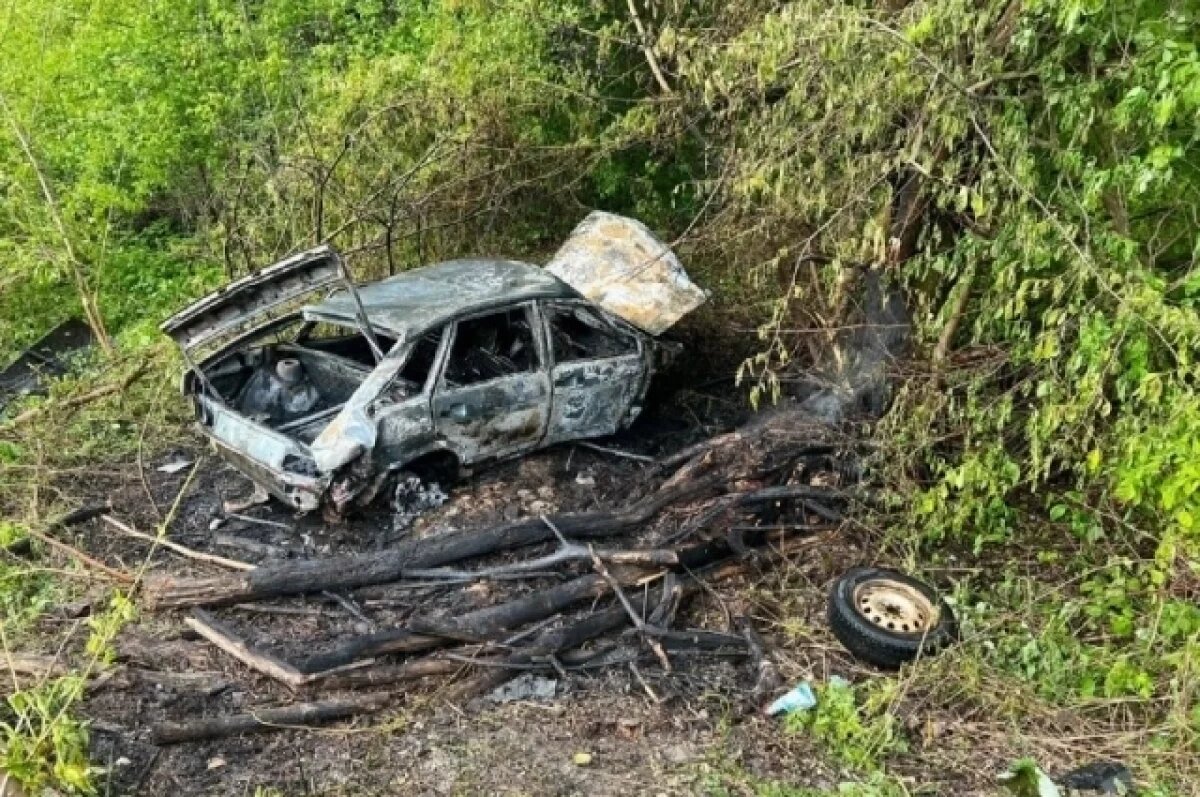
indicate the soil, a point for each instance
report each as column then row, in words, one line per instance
column 610, row 732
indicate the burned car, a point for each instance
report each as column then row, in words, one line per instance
column 318, row 389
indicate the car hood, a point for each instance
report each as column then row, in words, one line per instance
column 620, row 265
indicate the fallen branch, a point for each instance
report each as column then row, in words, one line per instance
column 566, row 552
column 75, row 553
column 791, row 492
column 351, row 608
column 481, row 625
column 615, row 452
column 261, row 521
column 638, row 621
column 263, row 549
column 348, row 572
column 81, row 399
column 546, row 644
column 552, row 649
column 767, row 678
column 420, row 634
column 182, row 550
column 553, row 642
column 204, row 683
column 227, row 640
column 386, row 675
column 21, row 547
column 297, row 715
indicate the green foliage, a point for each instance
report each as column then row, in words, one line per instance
column 24, row 591
column 859, row 736
column 1026, row 779
column 45, row 744
column 732, row 781
column 178, row 136
column 1056, row 170
column 43, row 741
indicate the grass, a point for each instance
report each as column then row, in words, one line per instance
column 44, row 738
column 737, row 783
column 1036, row 675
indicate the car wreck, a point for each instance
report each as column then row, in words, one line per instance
column 319, row 389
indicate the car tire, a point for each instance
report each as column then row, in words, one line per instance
column 887, row 618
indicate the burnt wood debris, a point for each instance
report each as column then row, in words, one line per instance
column 568, row 591
column 748, row 500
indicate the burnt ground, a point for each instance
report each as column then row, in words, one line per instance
column 693, row 730
column 428, row 745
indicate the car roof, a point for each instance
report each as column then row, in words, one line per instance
column 414, row 301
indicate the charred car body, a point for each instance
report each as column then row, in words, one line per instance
column 469, row 361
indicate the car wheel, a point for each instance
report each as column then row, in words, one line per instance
column 886, row 618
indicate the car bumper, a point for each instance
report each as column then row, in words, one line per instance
column 302, row 493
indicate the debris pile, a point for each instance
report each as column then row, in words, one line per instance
column 563, row 592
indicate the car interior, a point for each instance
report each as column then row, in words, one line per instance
column 294, row 378
column 491, row 346
column 579, row 333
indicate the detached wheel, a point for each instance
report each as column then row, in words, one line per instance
column 886, row 618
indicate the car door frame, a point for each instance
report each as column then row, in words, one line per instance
column 471, row 451
column 596, row 375
column 413, row 433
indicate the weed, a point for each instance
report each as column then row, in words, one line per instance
column 859, row 736
column 44, row 744
column 44, row 741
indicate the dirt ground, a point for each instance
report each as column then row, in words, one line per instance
column 691, row 731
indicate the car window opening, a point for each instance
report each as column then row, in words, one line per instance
column 414, row 374
column 491, row 346
column 579, row 333
column 346, row 342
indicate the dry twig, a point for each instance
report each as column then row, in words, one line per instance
column 182, row 550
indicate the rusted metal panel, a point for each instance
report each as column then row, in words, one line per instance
column 406, row 432
column 272, row 460
column 620, row 265
column 354, row 431
column 595, row 397
column 493, row 419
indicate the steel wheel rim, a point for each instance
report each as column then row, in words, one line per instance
column 895, row 606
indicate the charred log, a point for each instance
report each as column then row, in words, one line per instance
column 267, row 719
column 348, row 572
